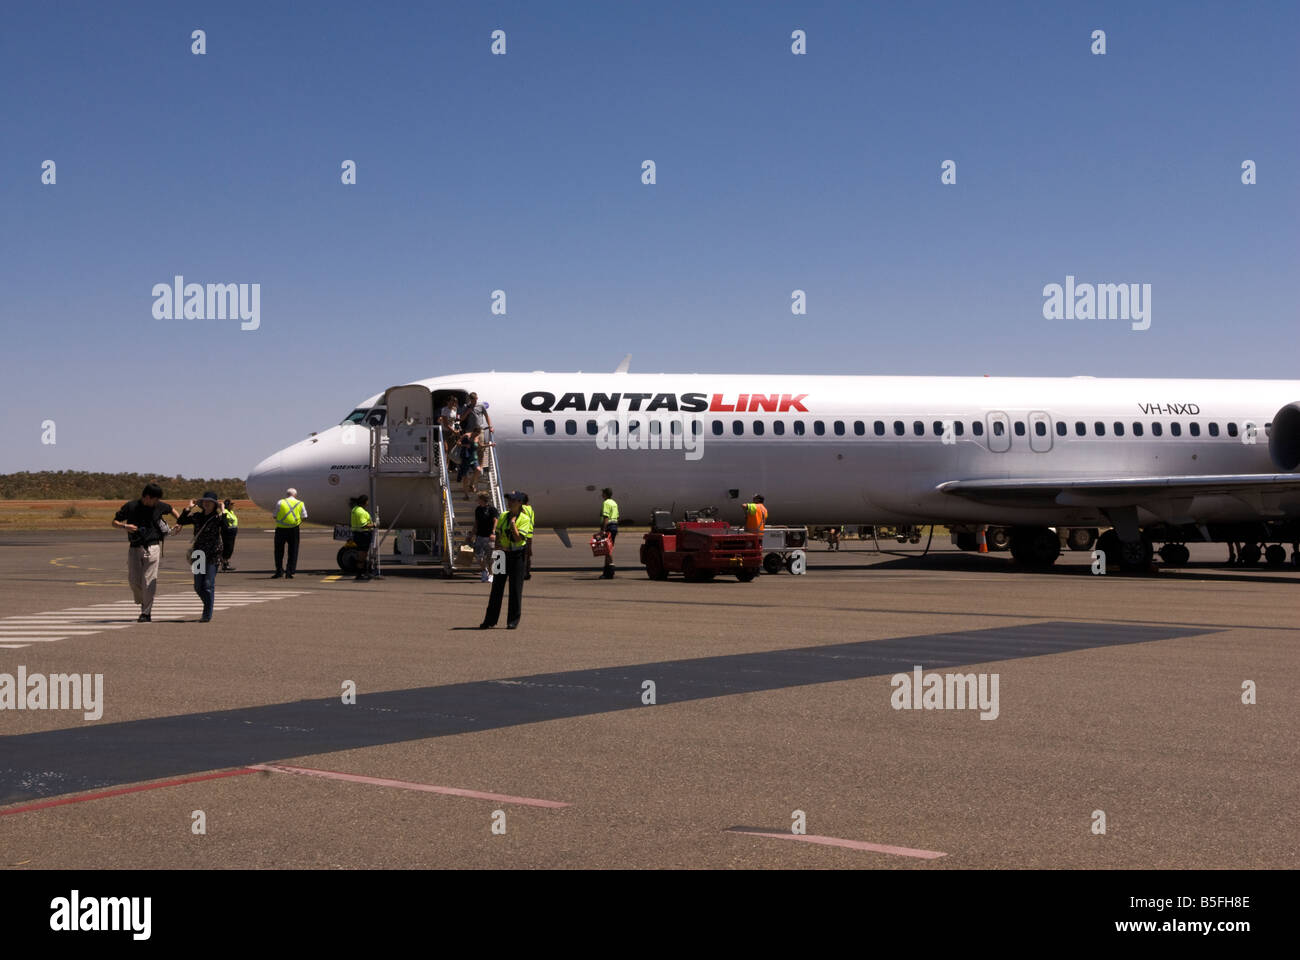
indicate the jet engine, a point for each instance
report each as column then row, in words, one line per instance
column 1284, row 441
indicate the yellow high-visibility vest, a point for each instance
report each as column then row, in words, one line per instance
column 289, row 513
column 523, row 523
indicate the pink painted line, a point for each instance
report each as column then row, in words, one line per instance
column 407, row 785
column 117, row 793
column 837, row 842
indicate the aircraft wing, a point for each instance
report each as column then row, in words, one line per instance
column 1114, row 491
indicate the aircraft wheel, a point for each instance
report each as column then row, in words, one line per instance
column 1175, row 554
column 772, row 563
column 1036, row 547
column 1275, row 555
column 997, row 538
column 1081, row 538
column 1248, row 555
column 1135, row 555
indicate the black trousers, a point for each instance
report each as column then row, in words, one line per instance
column 515, row 574
column 286, row 536
column 228, row 543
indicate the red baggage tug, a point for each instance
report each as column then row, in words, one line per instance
column 700, row 549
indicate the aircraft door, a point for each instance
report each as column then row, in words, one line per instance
column 999, row 429
column 1040, row 432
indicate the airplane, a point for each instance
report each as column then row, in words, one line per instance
column 1154, row 460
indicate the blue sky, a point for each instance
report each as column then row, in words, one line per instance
column 522, row 172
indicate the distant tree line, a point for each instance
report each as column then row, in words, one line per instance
column 84, row 485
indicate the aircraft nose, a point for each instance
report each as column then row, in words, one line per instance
column 265, row 482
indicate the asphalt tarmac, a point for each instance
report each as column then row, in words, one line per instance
column 631, row 723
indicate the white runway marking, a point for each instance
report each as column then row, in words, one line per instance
column 25, row 629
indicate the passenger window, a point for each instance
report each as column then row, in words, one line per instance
column 779, row 428
column 1119, row 428
column 859, row 428
column 1157, row 429
column 697, row 427
column 878, row 428
column 1176, row 428
column 819, row 428
column 1232, row 429
column 528, row 427
column 799, row 428
column 999, row 428
column 918, row 428
column 899, row 429
column 958, row 427
column 1079, row 429
column 737, row 427
column 839, row 428
column 1060, row 428
column 656, row 428
column 571, row 427
column 1195, row 429
column 977, row 428
column 938, row 428
column 717, row 428
column 1040, row 428
column 758, row 428
column 1137, row 429
column 1020, row 428
column 1214, row 429
column 1099, row 428
column 675, row 428
column 550, row 428
column 591, row 428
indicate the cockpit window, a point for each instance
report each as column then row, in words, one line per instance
column 374, row 417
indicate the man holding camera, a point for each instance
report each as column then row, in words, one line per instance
column 145, row 523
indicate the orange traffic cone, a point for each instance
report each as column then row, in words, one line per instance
column 982, row 540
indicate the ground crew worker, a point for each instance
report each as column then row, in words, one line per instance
column 362, row 533
column 528, row 550
column 289, row 515
column 514, row 529
column 609, row 527
column 228, row 534
column 755, row 515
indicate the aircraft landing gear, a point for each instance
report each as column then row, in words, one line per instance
column 1175, row 554
column 1036, row 547
column 1130, row 556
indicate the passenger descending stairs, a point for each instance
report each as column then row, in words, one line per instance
column 458, row 508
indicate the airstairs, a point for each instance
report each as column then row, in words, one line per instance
column 415, row 463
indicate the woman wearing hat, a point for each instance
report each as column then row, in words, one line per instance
column 205, row 553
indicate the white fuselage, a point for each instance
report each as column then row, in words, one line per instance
column 829, row 450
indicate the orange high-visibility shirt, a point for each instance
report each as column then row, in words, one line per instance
column 755, row 517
